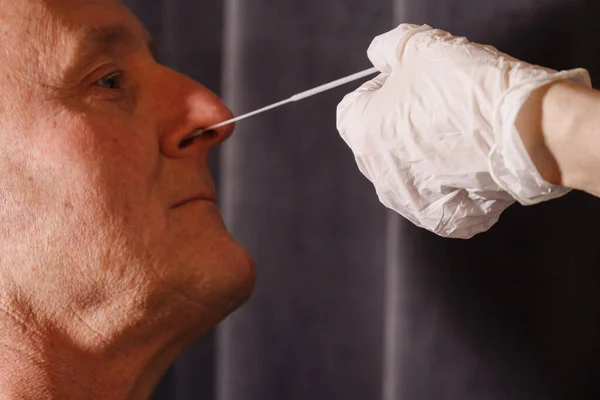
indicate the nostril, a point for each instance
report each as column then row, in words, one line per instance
column 209, row 134
column 189, row 140
column 186, row 142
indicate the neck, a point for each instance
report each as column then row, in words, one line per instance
column 67, row 358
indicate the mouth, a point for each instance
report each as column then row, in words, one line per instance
column 209, row 198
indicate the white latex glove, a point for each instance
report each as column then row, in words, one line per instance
column 435, row 131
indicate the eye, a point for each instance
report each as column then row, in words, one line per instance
column 112, row 81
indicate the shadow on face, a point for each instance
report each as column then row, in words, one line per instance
column 98, row 189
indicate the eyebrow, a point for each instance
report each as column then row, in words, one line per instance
column 111, row 39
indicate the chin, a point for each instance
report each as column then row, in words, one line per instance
column 236, row 279
column 204, row 263
column 219, row 276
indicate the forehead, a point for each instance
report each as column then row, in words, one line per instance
column 52, row 24
column 42, row 40
column 23, row 14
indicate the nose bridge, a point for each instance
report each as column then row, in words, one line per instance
column 202, row 103
column 190, row 106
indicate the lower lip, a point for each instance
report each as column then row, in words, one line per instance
column 192, row 201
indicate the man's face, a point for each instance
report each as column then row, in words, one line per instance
column 98, row 196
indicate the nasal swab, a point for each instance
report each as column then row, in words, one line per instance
column 296, row 97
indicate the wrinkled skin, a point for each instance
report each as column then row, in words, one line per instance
column 113, row 253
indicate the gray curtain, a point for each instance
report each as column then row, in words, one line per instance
column 353, row 302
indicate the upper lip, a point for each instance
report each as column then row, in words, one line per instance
column 197, row 197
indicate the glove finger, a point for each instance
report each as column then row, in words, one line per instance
column 386, row 50
column 384, row 53
column 352, row 111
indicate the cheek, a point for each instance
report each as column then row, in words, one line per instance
column 100, row 165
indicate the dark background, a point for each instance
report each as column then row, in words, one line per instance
column 352, row 301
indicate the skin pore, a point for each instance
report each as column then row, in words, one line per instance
column 113, row 253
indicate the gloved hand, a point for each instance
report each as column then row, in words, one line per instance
column 435, row 131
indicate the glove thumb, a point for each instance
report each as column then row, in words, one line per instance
column 385, row 53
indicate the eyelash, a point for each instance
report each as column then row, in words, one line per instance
column 102, row 81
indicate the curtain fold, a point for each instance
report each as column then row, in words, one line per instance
column 352, row 301
column 294, row 197
column 513, row 313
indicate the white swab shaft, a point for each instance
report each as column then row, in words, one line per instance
column 250, row 114
column 334, row 84
column 296, row 97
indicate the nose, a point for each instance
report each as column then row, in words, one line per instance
column 187, row 107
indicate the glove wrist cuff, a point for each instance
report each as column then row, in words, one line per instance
column 510, row 165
